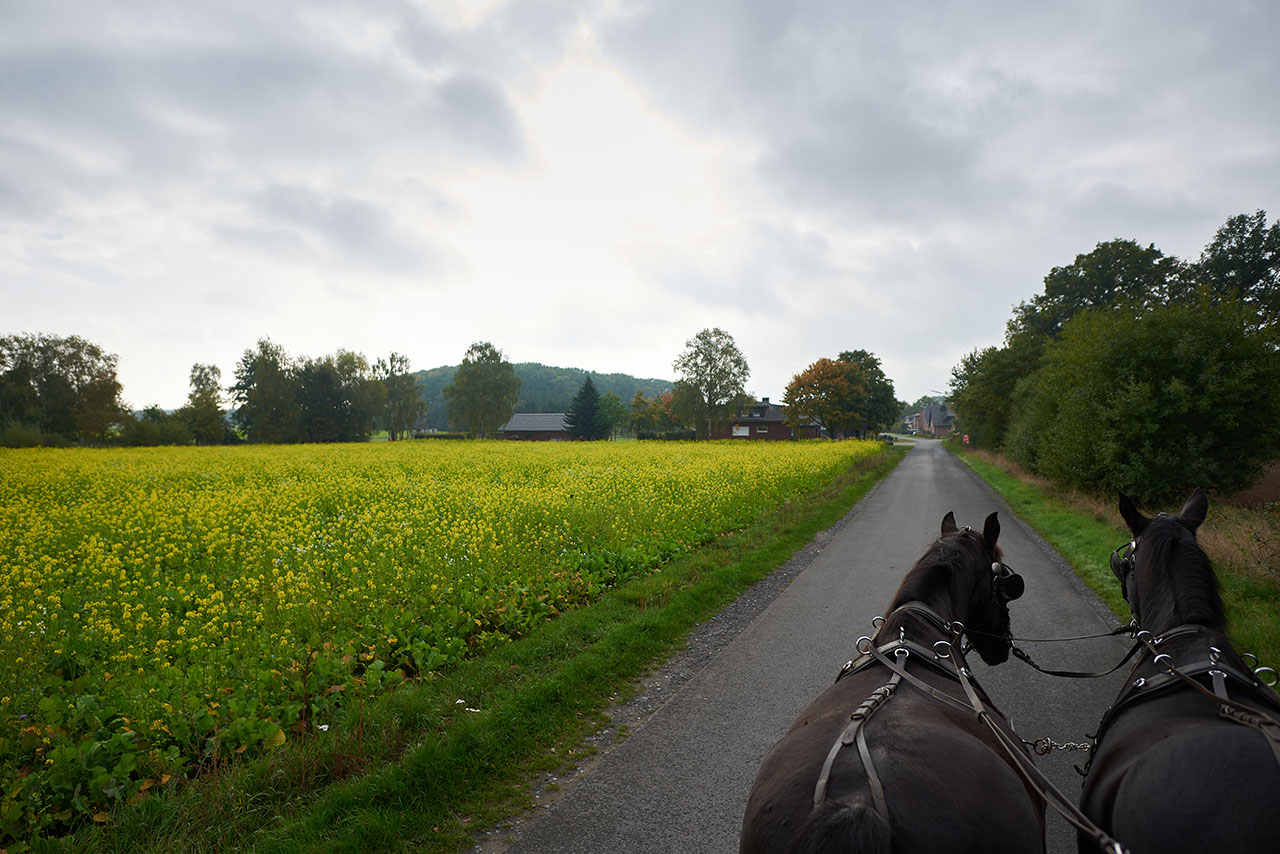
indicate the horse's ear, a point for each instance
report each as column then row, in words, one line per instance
column 1135, row 520
column 991, row 531
column 949, row 523
column 1193, row 512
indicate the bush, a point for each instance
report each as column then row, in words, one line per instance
column 668, row 435
column 20, row 436
column 1152, row 402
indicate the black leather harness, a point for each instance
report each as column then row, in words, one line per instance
column 905, row 650
column 1204, row 672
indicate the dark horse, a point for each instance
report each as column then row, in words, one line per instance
column 1188, row 757
column 874, row 765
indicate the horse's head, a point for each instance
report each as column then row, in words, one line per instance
column 985, row 584
column 964, row 577
column 1164, row 575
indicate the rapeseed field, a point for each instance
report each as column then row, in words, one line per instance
column 163, row 610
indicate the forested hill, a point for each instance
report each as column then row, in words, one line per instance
column 543, row 389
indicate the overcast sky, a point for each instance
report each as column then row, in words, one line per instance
column 588, row 183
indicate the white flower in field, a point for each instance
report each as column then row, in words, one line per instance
column 323, row 727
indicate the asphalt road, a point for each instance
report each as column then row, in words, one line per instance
column 680, row 780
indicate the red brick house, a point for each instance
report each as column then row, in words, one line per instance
column 536, row 427
column 935, row 418
column 764, row 421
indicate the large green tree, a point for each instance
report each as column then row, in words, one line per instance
column 266, row 395
column 614, row 412
column 583, row 419
column 878, row 408
column 404, row 404
column 826, row 392
column 64, row 387
column 848, row 395
column 1243, row 260
column 714, row 373
column 1153, row 401
column 484, row 391
column 203, row 412
column 982, row 387
column 1118, row 271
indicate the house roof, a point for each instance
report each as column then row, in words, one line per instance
column 549, row 422
column 937, row 415
column 763, row 412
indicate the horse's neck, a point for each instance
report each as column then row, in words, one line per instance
column 917, row 620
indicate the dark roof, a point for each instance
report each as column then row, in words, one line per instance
column 936, row 415
column 529, row 422
column 763, row 412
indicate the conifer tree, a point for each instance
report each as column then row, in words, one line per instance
column 584, row 420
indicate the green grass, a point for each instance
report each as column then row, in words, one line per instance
column 1252, row 603
column 1083, row 541
column 418, row 770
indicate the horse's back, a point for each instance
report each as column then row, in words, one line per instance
column 1204, row 785
column 945, row 788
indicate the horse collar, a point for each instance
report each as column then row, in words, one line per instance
column 953, row 628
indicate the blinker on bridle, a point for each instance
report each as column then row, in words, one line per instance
column 1008, row 584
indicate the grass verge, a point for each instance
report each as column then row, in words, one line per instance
column 1084, row 530
column 424, row 767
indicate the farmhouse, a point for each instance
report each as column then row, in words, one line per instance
column 536, row 427
column 764, row 421
column 935, row 418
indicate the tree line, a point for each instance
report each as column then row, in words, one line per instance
column 1136, row 371
column 62, row 391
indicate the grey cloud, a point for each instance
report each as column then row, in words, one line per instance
column 247, row 93
column 768, row 263
column 909, row 110
column 326, row 228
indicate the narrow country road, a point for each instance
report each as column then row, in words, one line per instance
column 680, row 781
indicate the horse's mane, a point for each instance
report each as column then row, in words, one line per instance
column 1179, row 586
column 935, row 574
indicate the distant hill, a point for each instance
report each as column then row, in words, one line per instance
column 543, row 389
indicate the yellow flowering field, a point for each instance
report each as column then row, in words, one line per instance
column 161, row 609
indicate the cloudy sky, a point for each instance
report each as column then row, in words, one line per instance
column 588, row 183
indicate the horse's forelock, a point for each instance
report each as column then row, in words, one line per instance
column 955, row 565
